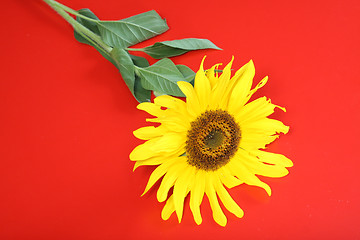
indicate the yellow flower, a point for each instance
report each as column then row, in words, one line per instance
column 210, row 142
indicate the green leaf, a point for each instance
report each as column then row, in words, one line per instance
column 139, row 61
column 127, row 69
column 92, row 26
column 178, row 47
column 161, row 77
column 132, row 30
column 141, row 94
column 125, row 66
column 187, row 73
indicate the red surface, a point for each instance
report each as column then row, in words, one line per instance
column 67, row 120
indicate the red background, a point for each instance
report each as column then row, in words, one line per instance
column 67, row 120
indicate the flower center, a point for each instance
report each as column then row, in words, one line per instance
column 212, row 140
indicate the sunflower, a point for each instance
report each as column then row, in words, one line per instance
column 211, row 142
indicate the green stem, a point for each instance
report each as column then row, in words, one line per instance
column 78, row 27
column 69, row 10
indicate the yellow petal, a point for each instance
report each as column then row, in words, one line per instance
column 168, row 209
column 181, row 187
column 251, row 140
column 158, row 173
column 266, row 125
column 257, row 87
column 255, row 110
column 149, row 162
column 227, row 200
column 226, row 74
column 167, row 182
column 212, row 75
column 170, row 102
column 146, row 133
column 196, row 196
column 151, row 109
column 168, row 143
column 175, row 108
column 193, row 104
column 218, row 214
column 202, row 87
column 255, row 166
column 241, row 172
column 217, row 96
column 169, row 179
column 273, row 158
column 267, row 170
column 243, row 81
column 162, row 157
column 173, row 122
column 143, row 151
column 227, row 178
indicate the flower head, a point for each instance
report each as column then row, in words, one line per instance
column 211, row 142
